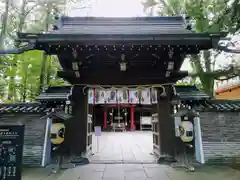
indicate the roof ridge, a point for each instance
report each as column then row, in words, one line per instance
column 168, row 18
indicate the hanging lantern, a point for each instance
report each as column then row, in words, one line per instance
column 57, row 133
column 186, row 131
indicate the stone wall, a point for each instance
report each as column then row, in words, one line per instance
column 34, row 135
column 221, row 137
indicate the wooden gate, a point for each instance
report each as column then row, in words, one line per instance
column 89, row 135
column 155, row 129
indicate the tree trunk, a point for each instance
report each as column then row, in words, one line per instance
column 208, row 84
column 24, row 89
column 49, row 67
column 13, row 71
column 44, row 58
column 4, row 24
column 42, row 74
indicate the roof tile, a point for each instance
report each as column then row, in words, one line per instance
column 23, row 108
column 188, row 92
column 114, row 26
column 219, row 106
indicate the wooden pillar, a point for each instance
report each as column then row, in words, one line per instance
column 132, row 117
column 105, row 118
column 78, row 127
column 166, row 125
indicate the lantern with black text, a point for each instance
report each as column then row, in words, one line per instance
column 57, row 133
column 186, row 131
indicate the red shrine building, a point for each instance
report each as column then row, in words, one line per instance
column 123, row 108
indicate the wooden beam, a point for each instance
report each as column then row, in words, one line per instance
column 113, row 79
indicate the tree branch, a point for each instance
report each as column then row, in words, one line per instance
column 30, row 9
column 219, row 74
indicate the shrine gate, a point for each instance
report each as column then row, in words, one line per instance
column 119, row 52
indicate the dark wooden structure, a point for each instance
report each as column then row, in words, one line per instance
column 28, row 114
column 120, row 51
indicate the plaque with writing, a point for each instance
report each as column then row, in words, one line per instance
column 98, row 131
column 11, row 150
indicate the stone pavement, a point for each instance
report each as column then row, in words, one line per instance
column 133, row 148
column 146, row 172
column 123, row 146
column 38, row 174
column 134, row 172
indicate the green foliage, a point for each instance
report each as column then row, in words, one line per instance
column 2, row 88
column 208, row 16
column 20, row 74
column 192, row 81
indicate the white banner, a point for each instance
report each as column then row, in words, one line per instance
column 153, row 96
column 100, row 96
column 133, row 96
column 111, row 96
column 145, row 97
column 90, row 96
column 122, row 96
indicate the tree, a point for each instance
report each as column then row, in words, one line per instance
column 207, row 16
column 22, row 72
column 4, row 23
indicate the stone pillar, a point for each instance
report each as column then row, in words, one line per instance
column 80, row 107
column 166, row 125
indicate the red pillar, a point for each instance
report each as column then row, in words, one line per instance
column 105, row 119
column 132, row 117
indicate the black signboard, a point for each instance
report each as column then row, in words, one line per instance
column 11, row 150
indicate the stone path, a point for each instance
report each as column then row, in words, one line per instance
column 129, row 147
column 123, row 146
column 146, row 172
column 38, row 174
column 134, row 172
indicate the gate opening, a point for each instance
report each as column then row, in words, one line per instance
column 126, row 136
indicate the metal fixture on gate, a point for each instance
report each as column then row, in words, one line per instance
column 123, row 64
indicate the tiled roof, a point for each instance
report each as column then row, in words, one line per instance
column 113, row 26
column 52, row 96
column 186, row 92
column 185, row 111
column 58, row 89
column 60, row 93
column 23, row 108
column 55, row 93
column 60, row 114
column 219, row 106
